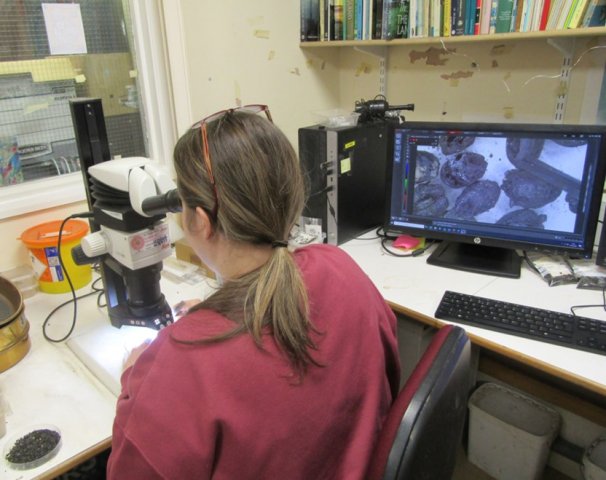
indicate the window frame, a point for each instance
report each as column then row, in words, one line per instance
column 158, row 118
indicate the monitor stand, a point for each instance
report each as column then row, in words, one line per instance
column 501, row 262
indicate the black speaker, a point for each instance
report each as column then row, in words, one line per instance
column 345, row 169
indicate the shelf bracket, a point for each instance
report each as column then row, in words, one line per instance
column 381, row 54
column 566, row 47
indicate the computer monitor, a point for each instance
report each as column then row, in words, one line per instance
column 488, row 190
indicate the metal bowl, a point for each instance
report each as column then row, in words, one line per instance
column 14, row 327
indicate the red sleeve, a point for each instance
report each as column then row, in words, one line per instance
column 150, row 439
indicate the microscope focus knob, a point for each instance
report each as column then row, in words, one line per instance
column 94, row 244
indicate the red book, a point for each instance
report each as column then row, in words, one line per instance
column 544, row 14
column 477, row 19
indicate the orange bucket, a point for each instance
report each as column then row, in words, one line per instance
column 42, row 241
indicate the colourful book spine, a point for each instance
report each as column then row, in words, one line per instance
column 358, row 26
column 458, row 17
column 504, row 10
column 485, row 22
column 577, row 15
column 493, row 16
column 446, row 18
column 545, row 14
column 338, row 20
column 477, row 17
column 596, row 14
column 569, row 13
column 377, row 16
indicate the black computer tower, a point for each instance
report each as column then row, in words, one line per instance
column 346, row 169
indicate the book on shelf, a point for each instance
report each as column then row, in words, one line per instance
column 458, row 17
column 478, row 17
column 485, row 17
column 367, row 19
column 554, row 14
column 377, row 16
column 310, row 20
column 578, row 14
column 492, row 25
column 595, row 16
column 566, row 15
column 446, row 18
column 349, row 18
column 395, row 19
column 337, row 20
column 544, row 14
column 535, row 17
column 504, row 11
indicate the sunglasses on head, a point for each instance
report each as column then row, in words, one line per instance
column 255, row 108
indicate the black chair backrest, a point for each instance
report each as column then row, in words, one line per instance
column 424, row 427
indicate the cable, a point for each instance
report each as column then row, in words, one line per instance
column 69, row 281
column 385, row 237
column 603, row 305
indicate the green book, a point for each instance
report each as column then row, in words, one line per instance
column 504, row 11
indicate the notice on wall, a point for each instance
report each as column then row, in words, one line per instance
column 64, row 28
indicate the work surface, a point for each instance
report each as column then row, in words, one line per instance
column 52, row 385
column 415, row 288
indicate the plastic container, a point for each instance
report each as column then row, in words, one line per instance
column 510, row 434
column 32, row 447
column 24, row 278
column 594, row 460
column 42, row 241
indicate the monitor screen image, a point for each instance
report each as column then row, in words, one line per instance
column 489, row 189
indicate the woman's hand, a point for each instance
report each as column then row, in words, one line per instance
column 134, row 354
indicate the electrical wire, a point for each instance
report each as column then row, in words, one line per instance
column 602, row 305
column 74, row 298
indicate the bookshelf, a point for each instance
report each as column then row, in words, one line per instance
column 561, row 40
column 464, row 39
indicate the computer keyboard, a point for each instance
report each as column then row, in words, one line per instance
column 563, row 329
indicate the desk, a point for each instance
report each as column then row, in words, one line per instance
column 51, row 385
column 414, row 288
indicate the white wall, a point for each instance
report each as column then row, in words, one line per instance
column 241, row 52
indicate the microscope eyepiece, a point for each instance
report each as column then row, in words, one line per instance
column 162, row 204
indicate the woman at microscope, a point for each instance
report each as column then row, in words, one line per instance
column 288, row 369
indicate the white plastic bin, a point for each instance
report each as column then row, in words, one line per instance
column 510, row 434
column 594, row 460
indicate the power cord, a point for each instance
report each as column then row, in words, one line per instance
column 74, row 298
column 603, row 305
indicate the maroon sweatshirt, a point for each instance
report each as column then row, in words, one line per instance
column 233, row 411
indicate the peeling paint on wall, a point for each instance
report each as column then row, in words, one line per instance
column 457, row 75
column 495, row 64
column 238, row 94
column 271, row 55
column 323, row 65
column 508, row 112
column 363, row 68
column 501, row 49
column 309, row 63
column 261, row 34
column 432, row 56
column 295, row 71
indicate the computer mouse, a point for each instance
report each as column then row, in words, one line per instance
column 406, row 241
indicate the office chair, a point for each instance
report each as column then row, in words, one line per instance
column 424, row 427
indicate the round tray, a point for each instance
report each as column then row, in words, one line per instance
column 32, row 447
